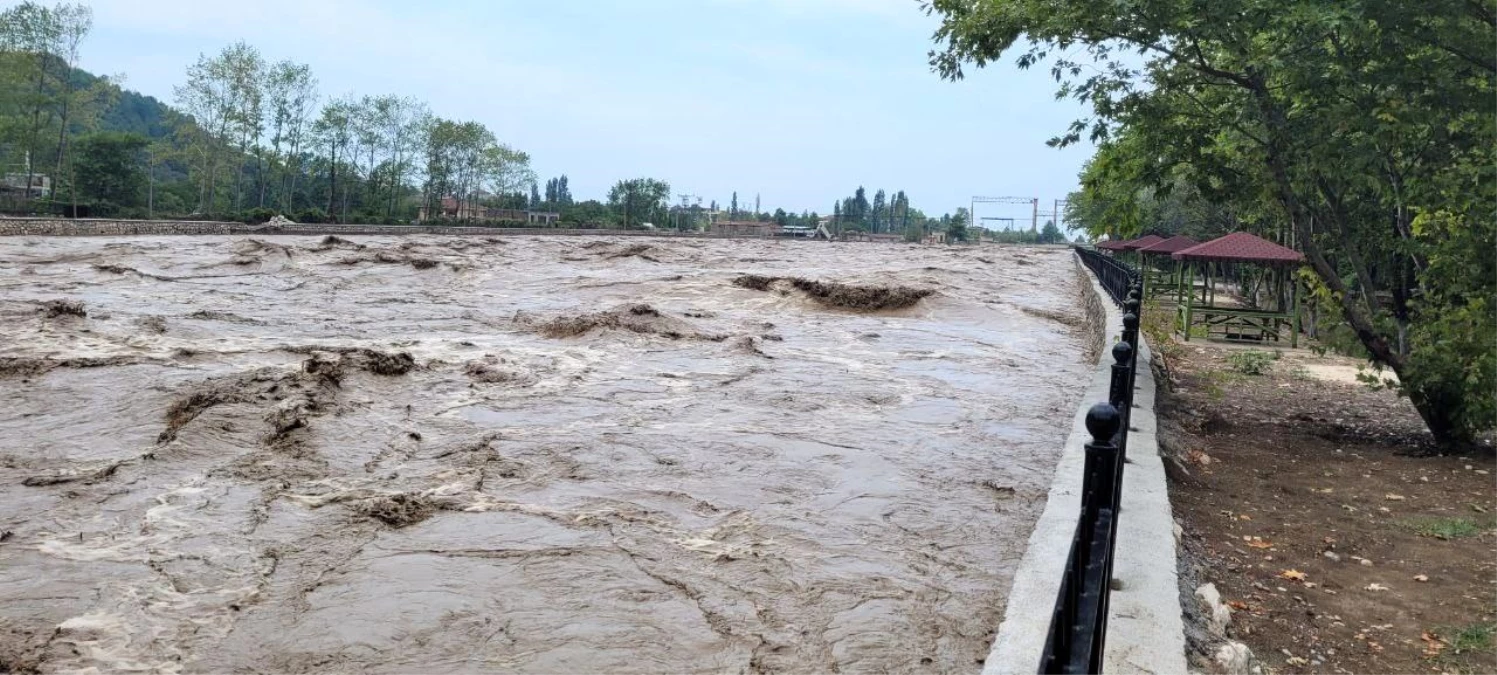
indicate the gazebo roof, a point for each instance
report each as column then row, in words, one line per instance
column 1111, row 244
column 1242, row 247
column 1169, row 246
column 1146, row 240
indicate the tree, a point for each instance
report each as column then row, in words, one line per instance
column 859, row 211
column 334, row 131
column 1363, row 132
column 733, row 206
column 72, row 24
column 1051, row 234
column 30, row 34
column 639, row 200
column 535, row 196
column 290, row 95
column 956, row 226
column 590, row 213
column 218, row 96
column 878, row 217
column 110, row 170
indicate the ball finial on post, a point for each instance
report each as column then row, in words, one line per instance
column 1122, row 352
column 1103, row 422
column 1130, row 321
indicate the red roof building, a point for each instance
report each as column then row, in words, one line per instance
column 1241, row 247
column 1169, row 246
column 1146, row 240
column 1111, row 244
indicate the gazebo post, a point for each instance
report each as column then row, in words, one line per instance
column 1190, row 299
column 1294, row 300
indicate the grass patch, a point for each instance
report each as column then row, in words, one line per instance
column 1476, row 637
column 1217, row 380
column 1447, row 528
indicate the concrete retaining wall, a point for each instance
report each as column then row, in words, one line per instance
column 1146, row 633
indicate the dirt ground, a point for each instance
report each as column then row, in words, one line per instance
column 1317, row 506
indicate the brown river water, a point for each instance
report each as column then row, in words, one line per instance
column 520, row 454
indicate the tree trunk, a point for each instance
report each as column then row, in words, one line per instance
column 332, row 191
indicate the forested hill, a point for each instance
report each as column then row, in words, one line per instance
column 132, row 112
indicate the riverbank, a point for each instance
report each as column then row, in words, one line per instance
column 1308, row 504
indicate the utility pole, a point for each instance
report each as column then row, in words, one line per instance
column 1035, row 225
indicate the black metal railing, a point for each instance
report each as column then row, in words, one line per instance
column 1078, row 625
column 1115, row 276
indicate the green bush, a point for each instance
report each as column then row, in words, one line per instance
column 312, row 215
column 1250, row 362
column 259, row 215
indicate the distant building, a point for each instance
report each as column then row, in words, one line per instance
column 13, row 183
column 796, row 231
column 450, row 208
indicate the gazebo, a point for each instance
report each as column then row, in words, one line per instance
column 1163, row 275
column 1135, row 244
column 1111, row 245
column 1264, row 272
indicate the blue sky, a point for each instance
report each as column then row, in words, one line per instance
column 799, row 101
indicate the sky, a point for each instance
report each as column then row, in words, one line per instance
column 797, row 101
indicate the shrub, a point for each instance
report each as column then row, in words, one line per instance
column 1250, row 362
column 259, row 215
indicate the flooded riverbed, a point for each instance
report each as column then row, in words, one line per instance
column 520, row 454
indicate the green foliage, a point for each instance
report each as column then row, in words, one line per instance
column 108, row 170
column 639, row 201
column 259, row 215
column 1250, row 362
column 956, row 227
column 590, row 213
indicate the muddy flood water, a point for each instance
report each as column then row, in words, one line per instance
column 522, row 454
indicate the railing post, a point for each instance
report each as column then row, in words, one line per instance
column 1119, row 389
column 1130, row 335
column 1104, row 423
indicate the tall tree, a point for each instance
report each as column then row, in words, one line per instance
column 216, row 96
column 72, row 24
column 334, row 132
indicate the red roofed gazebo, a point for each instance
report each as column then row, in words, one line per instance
column 1242, row 247
column 1169, row 246
column 1267, row 294
column 1146, row 240
column 1163, row 275
column 1111, row 245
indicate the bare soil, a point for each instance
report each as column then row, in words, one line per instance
column 1340, row 539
